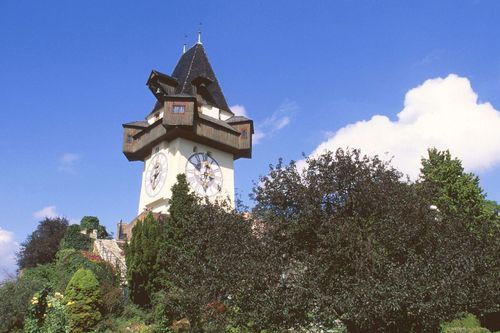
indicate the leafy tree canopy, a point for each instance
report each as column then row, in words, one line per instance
column 92, row 223
column 41, row 246
column 354, row 242
column 74, row 239
column 454, row 192
column 208, row 264
column 89, row 223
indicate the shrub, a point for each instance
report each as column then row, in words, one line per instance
column 16, row 296
column 69, row 261
column 36, row 313
column 83, row 301
column 56, row 318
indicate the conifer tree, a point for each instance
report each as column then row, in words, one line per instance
column 141, row 257
column 83, row 300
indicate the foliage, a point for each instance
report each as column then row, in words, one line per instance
column 56, row 320
column 89, row 223
column 355, row 242
column 141, row 256
column 69, row 261
column 131, row 319
column 83, row 301
column 16, row 294
column 37, row 312
column 102, row 233
column 207, row 264
column 74, row 239
column 467, row 324
column 92, row 223
column 46, row 314
column 41, row 246
column 493, row 208
column 453, row 191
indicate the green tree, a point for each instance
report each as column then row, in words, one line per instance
column 89, row 223
column 207, row 264
column 493, row 208
column 41, row 246
column 354, row 242
column 74, row 239
column 141, row 256
column 83, row 301
column 92, row 223
column 454, row 191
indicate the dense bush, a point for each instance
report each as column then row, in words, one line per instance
column 36, row 312
column 41, row 246
column 83, row 301
column 56, row 320
column 74, row 239
column 16, row 296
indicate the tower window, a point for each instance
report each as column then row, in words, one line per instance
column 244, row 134
column 129, row 138
column 178, row 109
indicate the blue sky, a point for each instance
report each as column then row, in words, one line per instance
column 71, row 72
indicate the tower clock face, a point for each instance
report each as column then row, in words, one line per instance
column 156, row 174
column 204, row 174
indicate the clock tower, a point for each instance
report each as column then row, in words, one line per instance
column 190, row 130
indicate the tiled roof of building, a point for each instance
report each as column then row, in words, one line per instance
column 194, row 65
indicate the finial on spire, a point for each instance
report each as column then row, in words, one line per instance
column 185, row 43
column 199, row 35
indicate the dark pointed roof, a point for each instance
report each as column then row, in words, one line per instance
column 194, row 66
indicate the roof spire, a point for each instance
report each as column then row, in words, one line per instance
column 199, row 38
column 199, row 35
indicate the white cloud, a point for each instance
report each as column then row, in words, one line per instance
column 257, row 137
column 442, row 113
column 239, row 110
column 279, row 119
column 8, row 249
column 49, row 211
column 67, row 162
